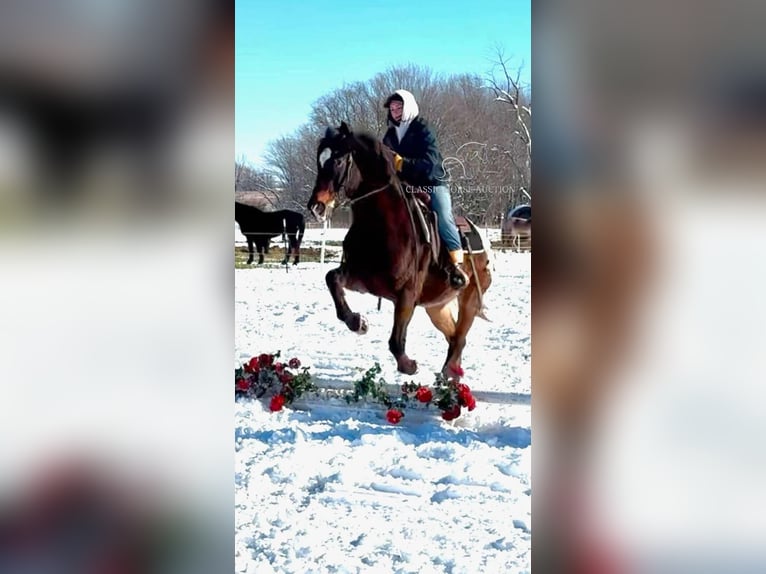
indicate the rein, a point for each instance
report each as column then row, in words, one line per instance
column 351, row 201
column 361, row 197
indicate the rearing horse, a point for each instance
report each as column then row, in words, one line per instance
column 383, row 252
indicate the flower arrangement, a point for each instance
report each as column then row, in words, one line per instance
column 264, row 372
column 448, row 394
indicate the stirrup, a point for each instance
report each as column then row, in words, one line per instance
column 457, row 277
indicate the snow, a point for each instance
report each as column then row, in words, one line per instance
column 339, row 489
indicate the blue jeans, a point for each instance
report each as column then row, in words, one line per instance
column 441, row 203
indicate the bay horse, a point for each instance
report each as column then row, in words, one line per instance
column 384, row 254
column 260, row 226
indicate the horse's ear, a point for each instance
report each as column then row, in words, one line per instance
column 330, row 133
column 344, row 129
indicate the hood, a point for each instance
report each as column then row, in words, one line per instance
column 410, row 108
column 409, row 112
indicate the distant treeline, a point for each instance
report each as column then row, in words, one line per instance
column 482, row 125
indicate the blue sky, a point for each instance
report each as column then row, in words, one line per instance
column 290, row 53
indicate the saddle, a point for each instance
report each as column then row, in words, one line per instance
column 427, row 221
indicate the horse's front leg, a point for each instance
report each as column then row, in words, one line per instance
column 404, row 308
column 336, row 282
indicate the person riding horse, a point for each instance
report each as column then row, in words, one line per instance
column 419, row 163
column 383, row 253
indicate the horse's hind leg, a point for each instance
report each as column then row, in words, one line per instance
column 297, row 251
column 260, row 252
column 286, row 260
column 444, row 320
column 336, row 282
column 454, row 355
column 292, row 248
column 249, row 250
column 470, row 307
column 404, row 307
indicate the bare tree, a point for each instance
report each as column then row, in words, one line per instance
column 508, row 91
column 292, row 159
column 483, row 134
column 248, row 178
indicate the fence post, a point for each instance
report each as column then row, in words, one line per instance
column 324, row 239
column 284, row 240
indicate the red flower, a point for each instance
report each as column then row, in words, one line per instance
column 278, row 368
column 265, row 360
column 277, row 402
column 424, row 395
column 464, row 396
column 294, row 363
column 451, row 413
column 285, row 377
column 471, row 403
column 394, row 416
column 242, row 384
column 457, row 369
column 252, row 366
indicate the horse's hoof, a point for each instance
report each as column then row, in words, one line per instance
column 407, row 366
column 453, row 371
column 358, row 324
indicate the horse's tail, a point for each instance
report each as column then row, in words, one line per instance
column 487, row 244
column 487, row 247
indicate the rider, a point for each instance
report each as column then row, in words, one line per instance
column 419, row 163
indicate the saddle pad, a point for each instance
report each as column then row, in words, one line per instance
column 469, row 235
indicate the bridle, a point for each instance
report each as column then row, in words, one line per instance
column 342, row 185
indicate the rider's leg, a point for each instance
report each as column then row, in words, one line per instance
column 441, row 203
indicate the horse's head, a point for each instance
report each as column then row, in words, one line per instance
column 336, row 173
column 347, row 161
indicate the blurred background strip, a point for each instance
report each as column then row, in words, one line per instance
column 116, row 139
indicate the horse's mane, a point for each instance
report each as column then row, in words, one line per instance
column 370, row 143
column 376, row 148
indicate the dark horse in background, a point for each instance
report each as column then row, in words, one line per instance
column 260, row 226
column 384, row 253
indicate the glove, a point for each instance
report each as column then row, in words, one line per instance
column 398, row 160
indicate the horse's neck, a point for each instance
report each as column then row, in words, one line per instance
column 384, row 208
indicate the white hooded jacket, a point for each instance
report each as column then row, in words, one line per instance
column 410, row 111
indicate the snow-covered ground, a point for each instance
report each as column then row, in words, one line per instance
column 340, row 489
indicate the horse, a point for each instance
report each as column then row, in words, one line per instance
column 384, row 252
column 517, row 228
column 260, row 226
